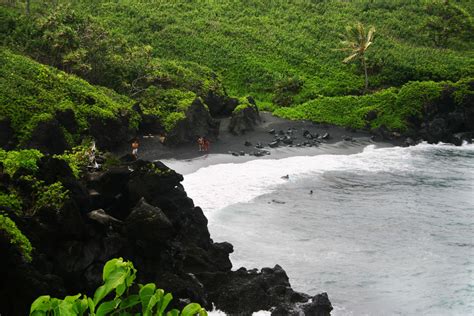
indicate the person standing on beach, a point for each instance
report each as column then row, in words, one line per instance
column 135, row 145
column 200, row 142
column 206, row 144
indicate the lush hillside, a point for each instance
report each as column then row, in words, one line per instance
column 164, row 54
column 260, row 45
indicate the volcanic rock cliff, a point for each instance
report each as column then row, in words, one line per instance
column 140, row 211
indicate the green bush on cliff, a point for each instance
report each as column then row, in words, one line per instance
column 77, row 158
column 391, row 108
column 243, row 104
column 14, row 160
column 169, row 105
column 11, row 200
column 345, row 111
column 9, row 229
column 118, row 277
column 50, row 196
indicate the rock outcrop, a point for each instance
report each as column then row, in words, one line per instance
column 47, row 136
column 448, row 118
column 220, row 105
column 138, row 211
column 110, row 133
column 197, row 122
column 244, row 118
column 7, row 134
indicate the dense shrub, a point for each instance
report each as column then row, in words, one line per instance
column 9, row 229
column 391, row 108
column 14, row 160
column 11, row 200
column 118, row 277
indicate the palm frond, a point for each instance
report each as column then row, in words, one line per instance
column 351, row 57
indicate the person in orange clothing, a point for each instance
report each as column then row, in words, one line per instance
column 135, row 145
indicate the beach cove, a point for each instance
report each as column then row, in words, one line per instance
column 382, row 232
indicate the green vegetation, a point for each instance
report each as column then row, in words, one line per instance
column 9, row 229
column 11, row 200
column 448, row 22
column 50, row 196
column 31, row 92
column 14, row 160
column 118, row 277
column 255, row 45
column 243, row 104
column 357, row 42
column 392, row 108
column 163, row 54
column 167, row 105
column 44, row 195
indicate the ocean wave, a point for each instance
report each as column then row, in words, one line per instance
column 217, row 186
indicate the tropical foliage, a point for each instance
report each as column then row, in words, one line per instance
column 118, row 276
column 357, row 41
column 9, row 230
column 161, row 54
column 391, row 108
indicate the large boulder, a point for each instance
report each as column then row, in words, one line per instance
column 67, row 119
column 247, row 291
column 149, row 223
column 244, row 117
column 110, row 133
column 7, row 134
column 220, row 105
column 48, row 137
column 197, row 122
column 444, row 117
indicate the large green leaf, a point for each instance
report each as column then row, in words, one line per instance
column 130, row 301
column 80, row 306
column 100, row 293
column 164, row 303
column 173, row 312
column 146, row 292
column 154, row 300
column 191, row 309
column 41, row 304
column 117, row 279
column 106, row 307
column 110, row 266
column 66, row 308
column 91, row 304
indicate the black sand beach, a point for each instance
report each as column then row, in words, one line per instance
column 339, row 139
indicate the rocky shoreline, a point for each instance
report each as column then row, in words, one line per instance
column 137, row 210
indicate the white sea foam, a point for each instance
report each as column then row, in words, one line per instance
column 217, row 186
column 387, row 230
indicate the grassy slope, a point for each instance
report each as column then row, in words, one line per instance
column 255, row 44
column 260, row 47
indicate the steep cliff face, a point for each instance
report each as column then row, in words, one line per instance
column 138, row 211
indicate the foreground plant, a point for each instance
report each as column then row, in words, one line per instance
column 118, row 276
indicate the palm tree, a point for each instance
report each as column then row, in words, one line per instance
column 357, row 41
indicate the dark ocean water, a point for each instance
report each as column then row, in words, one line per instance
column 387, row 231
